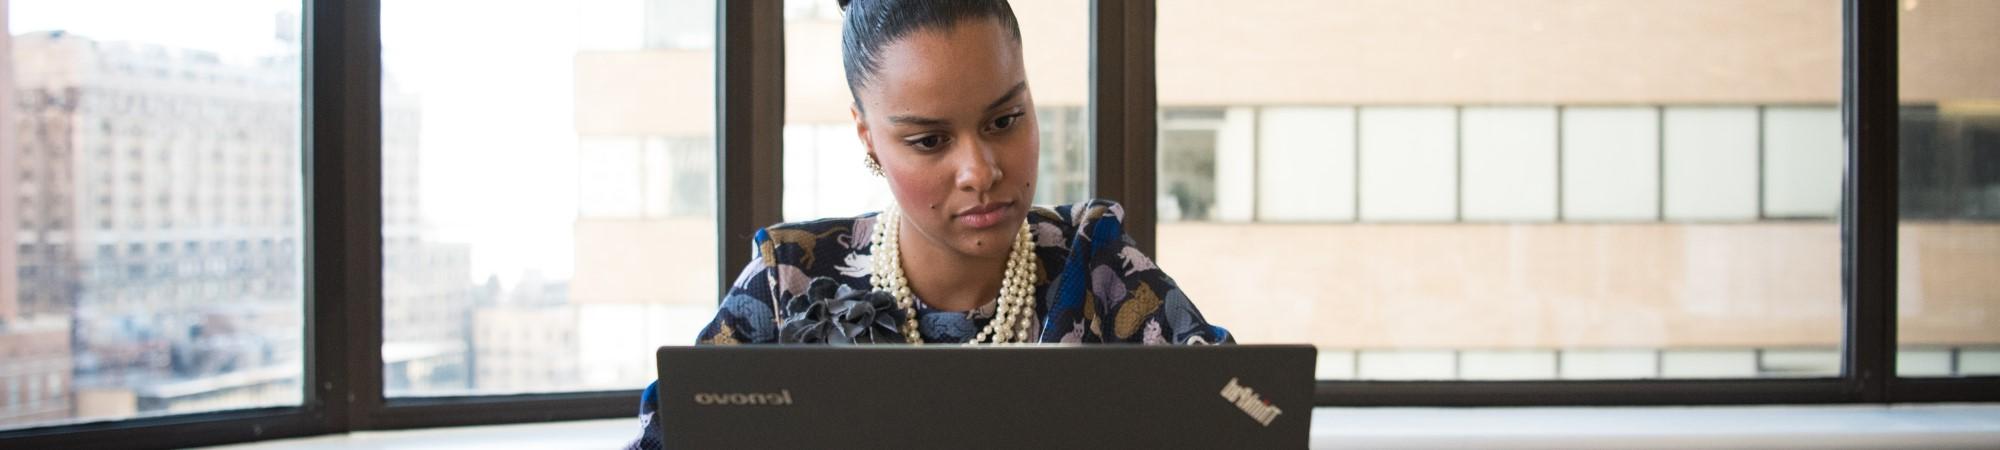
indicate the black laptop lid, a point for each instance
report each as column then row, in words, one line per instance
column 1112, row 396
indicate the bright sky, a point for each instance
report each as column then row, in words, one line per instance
column 494, row 78
column 232, row 28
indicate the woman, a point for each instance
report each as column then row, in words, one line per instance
column 943, row 108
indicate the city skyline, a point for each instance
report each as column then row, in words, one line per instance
column 469, row 212
column 158, row 219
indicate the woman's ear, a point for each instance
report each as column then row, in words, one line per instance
column 861, row 129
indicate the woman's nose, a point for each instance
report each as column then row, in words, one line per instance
column 978, row 170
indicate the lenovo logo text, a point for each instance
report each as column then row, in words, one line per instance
column 781, row 398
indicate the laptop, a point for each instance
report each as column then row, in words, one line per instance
column 1107, row 396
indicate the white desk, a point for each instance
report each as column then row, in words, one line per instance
column 1844, row 426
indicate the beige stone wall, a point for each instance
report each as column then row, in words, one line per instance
column 1448, row 285
column 1472, row 286
column 1317, row 52
column 815, row 81
column 1345, row 52
column 1554, row 51
column 645, row 93
column 1949, row 283
column 1499, row 51
column 1054, row 34
column 668, row 92
column 1949, row 51
column 649, row 261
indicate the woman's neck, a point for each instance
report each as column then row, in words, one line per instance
column 946, row 279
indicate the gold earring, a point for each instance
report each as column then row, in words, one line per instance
column 874, row 166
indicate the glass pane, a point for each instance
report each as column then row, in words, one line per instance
column 548, row 192
column 1948, row 310
column 824, row 171
column 1506, row 190
column 150, row 208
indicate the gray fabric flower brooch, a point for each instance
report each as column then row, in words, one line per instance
column 832, row 313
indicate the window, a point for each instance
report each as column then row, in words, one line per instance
column 1410, row 150
column 76, row 347
column 824, row 171
column 1272, row 147
column 1949, row 243
column 1509, row 163
column 1517, row 190
column 556, row 182
column 1710, row 161
column 1610, row 164
column 1802, row 162
column 1313, row 149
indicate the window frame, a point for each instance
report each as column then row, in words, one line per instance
column 342, row 177
column 1123, row 87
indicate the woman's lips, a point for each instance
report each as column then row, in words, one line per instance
column 983, row 216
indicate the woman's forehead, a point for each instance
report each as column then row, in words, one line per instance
column 944, row 73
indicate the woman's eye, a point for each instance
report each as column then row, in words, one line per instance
column 927, row 143
column 1005, row 122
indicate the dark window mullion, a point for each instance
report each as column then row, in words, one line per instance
column 749, row 128
column 1874, row 121
column 1966, row 389
column 428, row 412
column 1124, row 112
column 176, row 431
column 344, row 212
column 1869, row 218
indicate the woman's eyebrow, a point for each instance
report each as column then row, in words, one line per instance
column 1011, row 93
column 936, row 122
column 919, row 120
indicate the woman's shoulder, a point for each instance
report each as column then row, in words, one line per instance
column 817, row 229
column 1080, row 214
column 1082, row 222
column 814, row 244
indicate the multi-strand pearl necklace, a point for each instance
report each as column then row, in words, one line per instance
column 1015, row 313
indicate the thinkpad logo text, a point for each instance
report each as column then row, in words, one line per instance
column 1247, row 400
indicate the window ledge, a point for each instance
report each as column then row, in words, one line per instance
column 1835, row 426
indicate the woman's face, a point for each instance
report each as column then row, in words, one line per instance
column 949, row 116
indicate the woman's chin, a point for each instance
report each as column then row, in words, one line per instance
column 988, row 243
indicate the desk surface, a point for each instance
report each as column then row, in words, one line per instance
column 1843, row 426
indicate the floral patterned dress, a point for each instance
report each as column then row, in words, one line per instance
column 1094, row 287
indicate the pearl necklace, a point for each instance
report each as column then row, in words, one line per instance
column 1015, row 312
